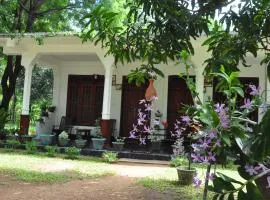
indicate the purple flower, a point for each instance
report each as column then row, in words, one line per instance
column 224, row 120
column 212, row 157
column 212, row 134
column 196, row 157
column 252, row 170
column 147, row 129
column 195, row 147
column 205, row 159
column 218, row 143
column 148, row 107
column 247, row 104
column 142, row 141
column 132, row 134
column 254, row 90
column 186, row 119
column 142, row 101
column 219, row 107
column 204, row 143
column 197, row 182
column 135, row 129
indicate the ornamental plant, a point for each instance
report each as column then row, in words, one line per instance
column 219, row 130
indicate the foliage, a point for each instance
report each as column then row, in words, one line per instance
column 178, row 161
column 72, row 153
column 31, row 147
column 12, row 144
column 3, row 118
column 110, row 156
column 51, row 150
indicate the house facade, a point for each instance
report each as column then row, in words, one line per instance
column 87, row 84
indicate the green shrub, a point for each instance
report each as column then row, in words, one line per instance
column 110, row 157
column 72, row 152
column 31, row 147
column 178, row 161
column 12, row 144
column 51, row 150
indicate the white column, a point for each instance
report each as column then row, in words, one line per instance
column 56, row 82
column 107, row 95
column 28, row 65
column 200, row 83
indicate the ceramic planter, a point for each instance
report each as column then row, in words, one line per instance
column 118, row 146
column 80, row 143
column 185, row 175
column 98, row 143
column 46, row 139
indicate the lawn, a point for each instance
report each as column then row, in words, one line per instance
column 39, row 168
column 166, row 182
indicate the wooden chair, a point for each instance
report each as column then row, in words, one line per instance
column 63, row 126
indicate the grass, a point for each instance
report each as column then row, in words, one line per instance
column 166, row 182
column 39, row 168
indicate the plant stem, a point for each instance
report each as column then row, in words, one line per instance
column 206, row 181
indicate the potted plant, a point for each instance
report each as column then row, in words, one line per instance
column 63, row 139
column 97, row 139
column 118, row 145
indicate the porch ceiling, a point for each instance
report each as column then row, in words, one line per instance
column 62, row 58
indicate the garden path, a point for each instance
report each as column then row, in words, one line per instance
column 119, row 187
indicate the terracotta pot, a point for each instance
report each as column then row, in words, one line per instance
column 150, row 91
column 164, row 123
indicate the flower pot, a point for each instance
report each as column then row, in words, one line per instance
column 46, row 139
column 98, row 143
column 80, row 143
column 150, row 91
column 185, row 175
column 118, row 146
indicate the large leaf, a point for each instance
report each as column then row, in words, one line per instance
column 253, row 192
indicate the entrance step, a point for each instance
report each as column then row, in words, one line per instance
column 139, row 161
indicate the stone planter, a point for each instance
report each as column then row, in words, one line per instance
column 80, row 143
column 98, row 143
column 185, row 175
column 118, row 146
column 46, row 139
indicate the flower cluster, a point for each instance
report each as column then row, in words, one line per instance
column 257, row 169
column 203, row 149
column 224, row 118
column 142, row 128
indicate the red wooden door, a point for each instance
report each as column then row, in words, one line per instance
column 84, row 100
column 178, row 95
column 131, row 95
column 219, row 97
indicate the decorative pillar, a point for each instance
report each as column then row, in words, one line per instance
column 106, row 122
column 25, row 119
column 56, row 83
column 200, row 83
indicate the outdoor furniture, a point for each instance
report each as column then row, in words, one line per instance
column 63, row 126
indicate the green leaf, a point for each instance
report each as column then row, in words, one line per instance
column 242, row 195
column 228, row 179
column 253, row 192
column 226, row 138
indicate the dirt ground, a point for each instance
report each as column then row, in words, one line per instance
column 119, row 187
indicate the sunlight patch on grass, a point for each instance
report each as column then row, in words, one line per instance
column 36, row 168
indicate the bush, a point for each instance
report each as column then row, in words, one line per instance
column 178, row 161
column 12, row 144
column 72, row 153
column 110, row 157
column 51, row 151
column 31, row 147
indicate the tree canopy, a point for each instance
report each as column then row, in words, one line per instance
column 158, row 30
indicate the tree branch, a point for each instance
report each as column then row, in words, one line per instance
column 52, row 10
column 23, row 4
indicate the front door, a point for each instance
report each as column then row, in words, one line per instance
column 178, row 96
column 84, row 99
column 131, row 95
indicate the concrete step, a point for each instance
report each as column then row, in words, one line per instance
column 139, row 161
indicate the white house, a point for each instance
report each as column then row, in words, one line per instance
column 84, row 88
